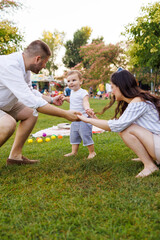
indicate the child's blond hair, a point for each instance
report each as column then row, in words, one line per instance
column 73, row 72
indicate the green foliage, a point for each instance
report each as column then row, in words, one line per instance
column 80, row 38
column 144, row 39
column 98, row 40
column 77, row 198
column 54, row 41
column 8, row 4
column 10, row 37
column 99, row 61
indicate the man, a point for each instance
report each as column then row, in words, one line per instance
column 19, row 101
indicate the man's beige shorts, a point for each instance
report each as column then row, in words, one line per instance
column 12, row 110
column 157, row 146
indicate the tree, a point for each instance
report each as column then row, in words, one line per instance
column 10, row 37
column 98, row 40
column 80, row 38
column 144, row 39
column 99, row 61
column 5, row 4
column 54, row 41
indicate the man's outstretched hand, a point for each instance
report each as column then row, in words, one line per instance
column 72, row 115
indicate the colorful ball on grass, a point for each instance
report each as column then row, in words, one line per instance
column 44, row 134
column 39, row 140
column 30, row 140
column 47, row 139
column 53, row 137
column 60, row 136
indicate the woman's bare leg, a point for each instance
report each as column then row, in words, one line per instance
column 141, row 142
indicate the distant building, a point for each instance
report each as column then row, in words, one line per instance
column 42, row 82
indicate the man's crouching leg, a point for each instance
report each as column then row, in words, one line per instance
column 7, row 126
column 27, row 122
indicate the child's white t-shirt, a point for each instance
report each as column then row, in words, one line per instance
column 76, row 100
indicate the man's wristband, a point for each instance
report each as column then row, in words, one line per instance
column 51, row 101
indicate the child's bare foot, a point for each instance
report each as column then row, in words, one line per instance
column 147, row 171
column 91, row 155
column 69, row 154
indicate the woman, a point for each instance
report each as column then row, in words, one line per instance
column 139, row 121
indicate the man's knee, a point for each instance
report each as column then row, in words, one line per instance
column 12, row 125
column 26, row 113
column 8, row 124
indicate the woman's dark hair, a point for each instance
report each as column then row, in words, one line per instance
column 128, row 86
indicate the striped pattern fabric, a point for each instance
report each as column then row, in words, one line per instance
column 143, row 114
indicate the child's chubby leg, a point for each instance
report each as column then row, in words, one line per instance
column 75, row 138
column 74, row 150
column 92, row 153
column 86, row 135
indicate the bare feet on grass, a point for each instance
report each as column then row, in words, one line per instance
column 91, row 155
column 69, row 154
column 147, row 171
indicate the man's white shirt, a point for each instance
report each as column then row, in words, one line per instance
column 15, row 83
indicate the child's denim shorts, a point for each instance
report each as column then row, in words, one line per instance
column 81, row 131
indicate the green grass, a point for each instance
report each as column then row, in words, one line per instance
column 75, row 198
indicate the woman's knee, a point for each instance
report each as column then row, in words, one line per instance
column 128, row 131
column 123, row 133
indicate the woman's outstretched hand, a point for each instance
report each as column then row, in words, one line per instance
column 82, row 118
column 72, row 115
column 100, row 123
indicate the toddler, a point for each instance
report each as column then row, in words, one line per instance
column 79, row 101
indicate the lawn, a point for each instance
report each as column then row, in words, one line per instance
column 75, row 198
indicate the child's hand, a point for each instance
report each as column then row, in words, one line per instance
column 63, row 98
column 91, row 113
column 67, row 99
column 58, row 100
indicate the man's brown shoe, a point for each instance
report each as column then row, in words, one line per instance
column 20, row 162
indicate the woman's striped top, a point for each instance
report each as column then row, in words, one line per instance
column 143, row 114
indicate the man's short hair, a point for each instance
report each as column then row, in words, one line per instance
column 36, row 48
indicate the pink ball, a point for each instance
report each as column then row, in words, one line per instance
column 44, row 134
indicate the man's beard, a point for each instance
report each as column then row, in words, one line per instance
column 35, row 68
